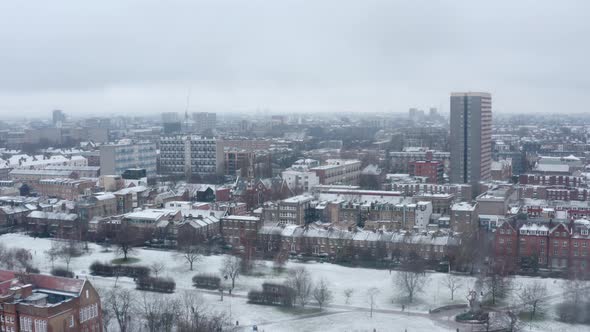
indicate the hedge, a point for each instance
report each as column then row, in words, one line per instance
column 162, row 285
column 111, row 270
column 273, row 294
column 61, row 272
column 206, row 281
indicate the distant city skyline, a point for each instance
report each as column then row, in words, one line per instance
column 113, row 57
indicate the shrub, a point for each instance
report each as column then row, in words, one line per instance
column 206, row 281
column 61, row 271
column 273, row 294
column 163, row 285
column 30, row 269
column 111, row 270
column 572, row 313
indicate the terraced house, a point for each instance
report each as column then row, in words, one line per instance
column 337, row 243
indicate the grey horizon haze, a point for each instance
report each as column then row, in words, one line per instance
column 139, row 57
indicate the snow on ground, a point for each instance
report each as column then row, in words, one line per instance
column 355, row 322
column 277, row 319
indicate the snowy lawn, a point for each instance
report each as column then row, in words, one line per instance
column 338, row 318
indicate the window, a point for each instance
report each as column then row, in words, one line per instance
column 542, row 242
column 575, row 243
column 501, row 240
column 71, row 322
column 564, row 244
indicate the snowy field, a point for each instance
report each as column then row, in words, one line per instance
column 338, row 317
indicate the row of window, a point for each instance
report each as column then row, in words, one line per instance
column 88, row 312
column 26, row 324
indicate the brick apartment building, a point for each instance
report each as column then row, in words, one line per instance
column 239, row 230
column 554, row 246
column 64, row 188
column 433, row 170
column 40, row 303
column 56, row 224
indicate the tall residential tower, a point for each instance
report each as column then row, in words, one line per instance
column 471, row 137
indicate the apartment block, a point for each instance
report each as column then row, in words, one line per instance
column 126, row 154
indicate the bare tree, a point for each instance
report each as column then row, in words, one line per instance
column 533, row 298
column 52, row 253
column 106, row 312
column 231, row 268
column 67, row 251
column 191, row 254
column 124, row 241
column 193, row 316
column 159, row 313
column 348, row 294
column 576, row 290
column 410, row 283
column 452, row 282
column 280, row 260
column 15, row 258
column 322, row 293
column 496, row 286
column 157, row 267
column 121, row 304
column 300, row 280
column 190, row 303
column 372, row 298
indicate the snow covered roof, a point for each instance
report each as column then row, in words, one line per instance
column 242, row 218
column 298, row 199
column 52, row 215
column 136, row 189
column 552, row 168
column 104, row 197
column 463, row 206
column 150, row 214
column 534, row 227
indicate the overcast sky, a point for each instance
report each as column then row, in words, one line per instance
column 121, row 56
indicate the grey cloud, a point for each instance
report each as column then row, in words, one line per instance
column 142, row 56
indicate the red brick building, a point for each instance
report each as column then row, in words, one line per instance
column 432, row 169
column 551, row 180
column 533, row 244
column 559, row 247
column 506, row 247
column 40, row 303
column 580, row 245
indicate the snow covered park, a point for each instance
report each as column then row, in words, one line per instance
column 343, row 314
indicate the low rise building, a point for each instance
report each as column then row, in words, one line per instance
column 339, row 171
column 464, row 217
column 41, row 303
column 240, row 230
column 64, row 188
column 55, row 224
column 116, row 158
